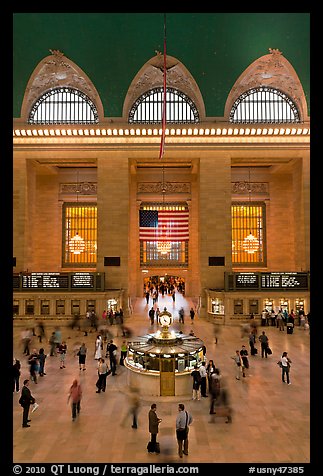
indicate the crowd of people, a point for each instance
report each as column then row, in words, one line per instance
column 207, row 379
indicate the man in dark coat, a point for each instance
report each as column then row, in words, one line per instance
column 25, row 401
column 153, row 428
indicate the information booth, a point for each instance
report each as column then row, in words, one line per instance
column 161, row 363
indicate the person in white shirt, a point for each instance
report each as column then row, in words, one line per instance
column 285, row 366
column 203, row 375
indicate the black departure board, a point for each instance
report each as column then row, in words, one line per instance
column 258, row 281
column 288, row 281
column 247, row 280
column 82, row 280
column 51, row 281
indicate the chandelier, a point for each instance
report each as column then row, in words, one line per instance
column 250, row 243
column 76, row 244
column 164, row 247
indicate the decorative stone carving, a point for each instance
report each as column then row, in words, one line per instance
column 57, row 71
column 83, row 188
column 177, row 76
column 272, row 70
column 170, row 187
column 254, row 187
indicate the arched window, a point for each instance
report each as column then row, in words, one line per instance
column 63, row 106
column 264, row 105
column 148, row 108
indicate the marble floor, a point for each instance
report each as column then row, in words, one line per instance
column 271, row 420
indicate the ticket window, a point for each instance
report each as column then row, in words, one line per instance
column 112, row 304
column 237, row 306
column 90, row 305
column 253, row 306
column 269, row 305
column 299, row 306
column 60, row 307
column 284, row 305
column 30, row 307
column 15, row 307
column 75, row 307
column 44, row 307
column 217, row 306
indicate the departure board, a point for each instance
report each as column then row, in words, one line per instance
column 288, row 281
column 247, row 281
column 82, row 280
column 259, row 281
column 45, row 280
column 51, row 281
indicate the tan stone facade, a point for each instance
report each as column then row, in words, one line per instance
column 200, row 171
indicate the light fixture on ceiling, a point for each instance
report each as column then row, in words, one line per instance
column 164, row 246
column 77, row 243
column 250, row 243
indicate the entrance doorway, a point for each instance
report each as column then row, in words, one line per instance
column 165, row 284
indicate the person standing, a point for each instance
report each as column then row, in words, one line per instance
column 264, row 341
column 112, row 349
column 98, row 347
column 244, row 360
column 237, row 359
column 192, row 315
column 285, row 363
column 26, row 399
column 62, row 350
column 75, row 395
column 183, row 420
column 102, row 374
column 196, row 383
column 151, row 314
column 123, row 352
column 16, row 374
column 82, row 356
column 42, row 358
column 203, row 375
column 153, row 422
column 210, row 368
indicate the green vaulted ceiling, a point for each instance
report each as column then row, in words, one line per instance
column 112, row 47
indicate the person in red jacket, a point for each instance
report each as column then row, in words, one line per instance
column 75, row 395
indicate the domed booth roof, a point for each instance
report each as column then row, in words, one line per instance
column 161, row 363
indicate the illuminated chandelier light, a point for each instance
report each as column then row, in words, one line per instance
column 250, row 243
column 76, row 244
column 164, row 247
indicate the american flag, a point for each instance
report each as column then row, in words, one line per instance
column 163, row 225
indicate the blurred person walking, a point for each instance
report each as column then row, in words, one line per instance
column 75, row 395
column 82, row 356
column 62, row 350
